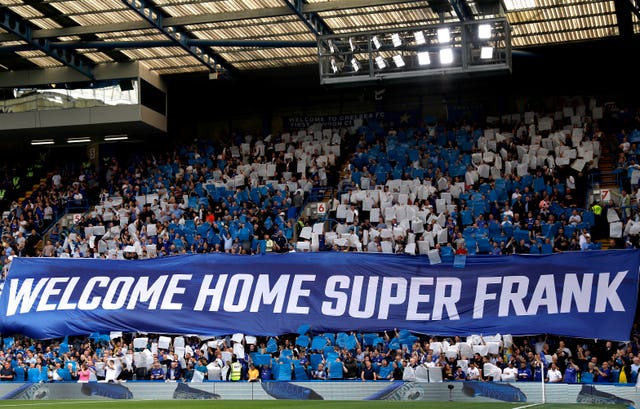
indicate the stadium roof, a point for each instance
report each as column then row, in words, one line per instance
column 181, row 36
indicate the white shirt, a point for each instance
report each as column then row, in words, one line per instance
column 509, row 374
column 554, row 375
column 472, row 372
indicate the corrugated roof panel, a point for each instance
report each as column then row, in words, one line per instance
column 566, row 36
column 25, row 11
column 254, row 28
column 169, row 63
column 178, row 70
column 131, row 34
column 10, row 43
column 244, row 23
column 149, row 37
column 45, row 23
column 182, row 8
column 46, row 62
column 287, row 29
column 69, row 38
column 95, row 56
column 84, row 6
column 106, row 17
column 376, row 18
column 268, row 58
column 39, row 58
column 574, row 9
column 574, row 20
column 155, row 52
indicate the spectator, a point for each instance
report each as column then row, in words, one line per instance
column 510, row 373
column 553, row 374
column 572, row 372
column 235, row 370
column 157, row 373
column 84, row 374
column 368, row 373
column 460, row 375
column 320, row 373
column 7, row 372
column 603, row 374
column 174, row 372
column 524, row 373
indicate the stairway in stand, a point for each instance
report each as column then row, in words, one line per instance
column 606, row 165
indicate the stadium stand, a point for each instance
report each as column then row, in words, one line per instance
column 454, row 189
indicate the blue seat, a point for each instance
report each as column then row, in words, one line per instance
column 44, row 375
column 65, row 374
column 302, row 341
column 519, row 234
column 299, row 371
column 33, row 375
column 331, row 337
column 335, row 370
column 315, row 359
column 467, row 218
column 446, row 254
column 471, row 247
column 484, row 246
column 569, row 230
column 20, row 374
column 589, row 218
column 283, row 372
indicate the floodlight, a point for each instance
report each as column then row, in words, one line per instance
column 334, row 67
column 355, row 64
column 444, row 35
column 331, row 47
column 423, row 58
column 484, row 31
column 486, row 53
column 42, row 142
column 398, row 61
column 376, row 42
column 119, row 137
column 446, row 56
column 395, row 39
column 380, row 62
column 78, row 140
column 353, row 47
column 419, row 36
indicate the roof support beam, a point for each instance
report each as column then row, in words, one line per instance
column 462, row 9
column 635, row 7
column 110, row 45
column 177, row 35
column 312, row 20
column 624, row 8
column 18, row 26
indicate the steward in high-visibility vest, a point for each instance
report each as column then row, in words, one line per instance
column 236, row 370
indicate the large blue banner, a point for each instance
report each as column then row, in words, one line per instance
column 587, row 294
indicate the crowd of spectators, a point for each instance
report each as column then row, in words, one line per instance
column 519, row 186
column 387, row 356
column 513, row 188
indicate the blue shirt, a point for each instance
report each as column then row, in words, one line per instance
column 570, row 375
